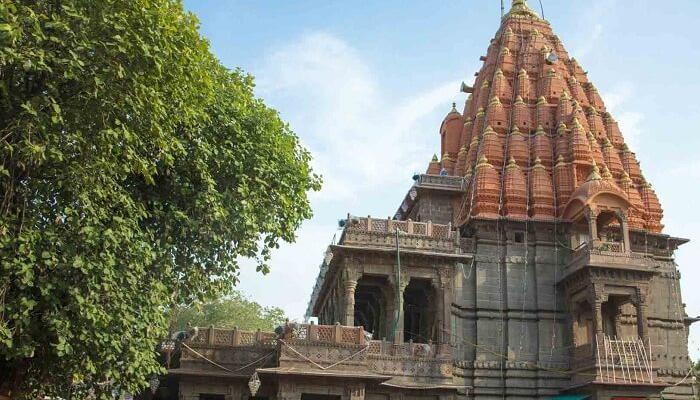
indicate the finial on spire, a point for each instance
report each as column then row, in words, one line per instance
column 520, row 7
column 454, row 107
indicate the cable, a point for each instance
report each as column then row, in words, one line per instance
column 200, row 355
column 305, row 358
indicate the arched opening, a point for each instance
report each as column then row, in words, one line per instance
column 371, row 305
column 598, row 215
column 419, row 311
column 609, row 228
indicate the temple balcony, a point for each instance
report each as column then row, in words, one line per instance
column 308, row 349
column 381, row 233
column 605, row 254
column 346, row 350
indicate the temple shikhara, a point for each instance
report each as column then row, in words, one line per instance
column 528, row 262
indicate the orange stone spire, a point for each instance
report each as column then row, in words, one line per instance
column 534, row 128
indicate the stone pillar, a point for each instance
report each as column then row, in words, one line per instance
column 624, row 226
column 642, row 312
column 350, row 286
column 445, row 298
column 592, row 217
column 355, row 391
column 597, row 301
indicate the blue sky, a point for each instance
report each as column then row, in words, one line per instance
column 365, row 85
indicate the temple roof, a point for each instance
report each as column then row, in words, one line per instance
column 530, row 94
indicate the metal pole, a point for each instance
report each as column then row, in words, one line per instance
column 397, row 301
column 503, row 9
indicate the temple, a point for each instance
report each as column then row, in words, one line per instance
column 528, row 262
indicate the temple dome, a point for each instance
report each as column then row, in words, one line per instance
column 598, row 192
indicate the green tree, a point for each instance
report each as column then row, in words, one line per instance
column 233, row 311
column 135, row 171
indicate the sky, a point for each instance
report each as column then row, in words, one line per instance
column 365, row 85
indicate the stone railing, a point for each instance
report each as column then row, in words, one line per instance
column 227, row 351
column 215, row 337
column 605, row 246
column 341, row 349
column 410, row 350
column 346, row 349
column 451, row 182
column 374, row 232
column 427, row 229
column 337, row 334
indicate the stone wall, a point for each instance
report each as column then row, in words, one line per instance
column 511, row 330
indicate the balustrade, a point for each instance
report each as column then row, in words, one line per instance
column 389, row 226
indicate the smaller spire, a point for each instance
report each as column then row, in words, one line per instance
column 540, row 131
column 561, row 129
column 482, row 162
column 625, row 178
column 511, row 163
column 538, row 163
column 519, row 100
column 435, row 158
column 606, row 173
column 576, row 123
column 595, row 174
column 541, row 101
column 560, row 161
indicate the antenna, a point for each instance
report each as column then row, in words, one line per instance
column 503, row 9
column 542, row 9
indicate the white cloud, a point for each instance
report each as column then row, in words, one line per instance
column 630, row 121
column 360, row 138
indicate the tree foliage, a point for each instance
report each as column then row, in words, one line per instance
column 233, row 311
column 135, row 171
